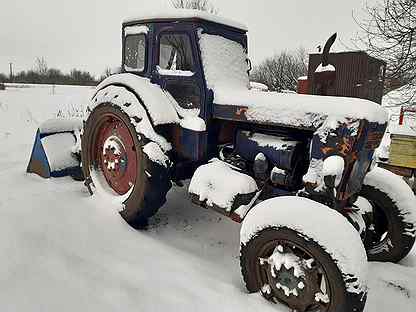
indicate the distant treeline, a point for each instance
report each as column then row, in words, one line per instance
column 52, row 76
column 41, row 74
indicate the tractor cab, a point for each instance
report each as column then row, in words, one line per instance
column 166, row 49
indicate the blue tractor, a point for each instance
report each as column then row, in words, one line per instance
column 296, row 170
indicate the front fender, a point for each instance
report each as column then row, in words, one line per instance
column 159, row 106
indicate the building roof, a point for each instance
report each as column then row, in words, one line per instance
column 185, row 14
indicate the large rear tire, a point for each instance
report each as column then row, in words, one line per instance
column 114, row 163
column 284, row 257
column 390, row 233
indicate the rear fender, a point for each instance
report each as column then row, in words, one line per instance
column 159, row 106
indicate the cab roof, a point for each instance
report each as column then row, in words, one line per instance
column 184, row 14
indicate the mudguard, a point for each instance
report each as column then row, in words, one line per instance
column 158, row 103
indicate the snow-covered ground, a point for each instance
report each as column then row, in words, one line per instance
column 61, row 250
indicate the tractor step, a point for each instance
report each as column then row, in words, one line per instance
column 222, row 187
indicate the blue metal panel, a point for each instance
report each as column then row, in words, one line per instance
column 283, row 158
column 193, row 144
column 38, row 161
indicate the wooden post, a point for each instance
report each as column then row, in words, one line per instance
column 401, row 118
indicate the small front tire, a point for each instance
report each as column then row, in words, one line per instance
column 290, row 260
column 390, row 233
column 385, row 238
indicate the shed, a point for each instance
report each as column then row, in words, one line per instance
column 357, row 75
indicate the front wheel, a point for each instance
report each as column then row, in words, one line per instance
column 289, row 257
column 390, row 223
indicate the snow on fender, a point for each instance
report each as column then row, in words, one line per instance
column 393, row 217
column 318, row 222
column 397, row 189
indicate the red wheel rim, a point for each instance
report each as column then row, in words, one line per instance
column 116, row 155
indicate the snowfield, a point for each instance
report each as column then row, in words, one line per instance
column 62, row 250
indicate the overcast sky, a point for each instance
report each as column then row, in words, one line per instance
column 86, row 33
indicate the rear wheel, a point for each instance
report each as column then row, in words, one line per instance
column 116, row 166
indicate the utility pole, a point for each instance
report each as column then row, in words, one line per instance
column 11, row 71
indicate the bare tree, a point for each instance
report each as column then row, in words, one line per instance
column 281, row 72
column 107, row 73
column 390, row 34
column 41, row 67
column 202, row 5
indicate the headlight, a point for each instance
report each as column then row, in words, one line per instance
column 332, row 170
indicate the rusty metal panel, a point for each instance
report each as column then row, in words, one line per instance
column 238, row 114
column 357, row 75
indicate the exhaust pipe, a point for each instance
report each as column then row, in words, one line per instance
column 325, row 74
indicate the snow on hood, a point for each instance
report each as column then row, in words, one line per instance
column 225, row 69
column 299, row 109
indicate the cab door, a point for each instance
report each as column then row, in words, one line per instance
column 178, row 71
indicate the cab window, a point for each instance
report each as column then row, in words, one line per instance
column 175, row 52
column 135, row 52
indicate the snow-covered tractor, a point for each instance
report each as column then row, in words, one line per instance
column 296, row 170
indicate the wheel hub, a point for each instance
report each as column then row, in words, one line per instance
column 293, row 280
column 286, row 279
column 116, row 155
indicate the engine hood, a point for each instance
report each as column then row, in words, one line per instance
column 293, row 110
